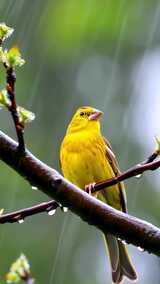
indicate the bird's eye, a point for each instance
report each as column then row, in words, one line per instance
column 81, row 113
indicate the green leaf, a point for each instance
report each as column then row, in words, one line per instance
column 4, row 100
column 5, row 31
column 1, row 54
column 12, row 57
column 19, row 269
column 25, row 116
column 12, row 277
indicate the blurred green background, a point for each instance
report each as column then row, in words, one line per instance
column 84, row 52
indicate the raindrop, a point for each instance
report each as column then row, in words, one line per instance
column 140, row 249
column 65, row 209
column 51, row 212
column 138, row 176
column 21, row 221
column 34, row 187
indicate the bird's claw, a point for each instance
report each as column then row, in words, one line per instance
column 89, row 188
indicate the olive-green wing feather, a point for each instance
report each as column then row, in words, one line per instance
column 114, row 164
column 120, row 261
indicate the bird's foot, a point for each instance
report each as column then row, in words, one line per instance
column 89, row 188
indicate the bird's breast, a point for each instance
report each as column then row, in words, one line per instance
column 83, row 160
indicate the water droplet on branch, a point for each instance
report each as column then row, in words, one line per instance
column 21, row 221
column 51, row 212
column 138, row 176
column 34, row 187
column 140, row 249
column 65, row 209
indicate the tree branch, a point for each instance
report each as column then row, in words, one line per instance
column 26, row 212
column 45, row 206
column 147, row 165
column 91, row 210
column 10, row 87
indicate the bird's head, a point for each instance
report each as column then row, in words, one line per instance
column 86, row 118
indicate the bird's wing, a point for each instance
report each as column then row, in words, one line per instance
column 114, row 164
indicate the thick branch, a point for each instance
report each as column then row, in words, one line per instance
column 45, row 206
column 91, row 210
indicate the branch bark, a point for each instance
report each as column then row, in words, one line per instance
column 19, row 215
column 91, row 210
column 10, row 87
column 148, row 165
column 135, row 171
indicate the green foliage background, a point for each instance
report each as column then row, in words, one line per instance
column 77, row 53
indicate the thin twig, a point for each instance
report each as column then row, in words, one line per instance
column 26, row 212
column 151, row 158
column 10, row 87
column 148, row 164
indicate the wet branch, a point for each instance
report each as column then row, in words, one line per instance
column 148, row 165
column 47, row 206
column 91, row 210
column 30, row 211
column 10, row 87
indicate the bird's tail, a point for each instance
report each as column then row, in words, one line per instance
column 121, row 264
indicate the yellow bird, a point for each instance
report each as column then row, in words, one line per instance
column 86, row 157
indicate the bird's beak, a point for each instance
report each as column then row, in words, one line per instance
column 95, row 114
